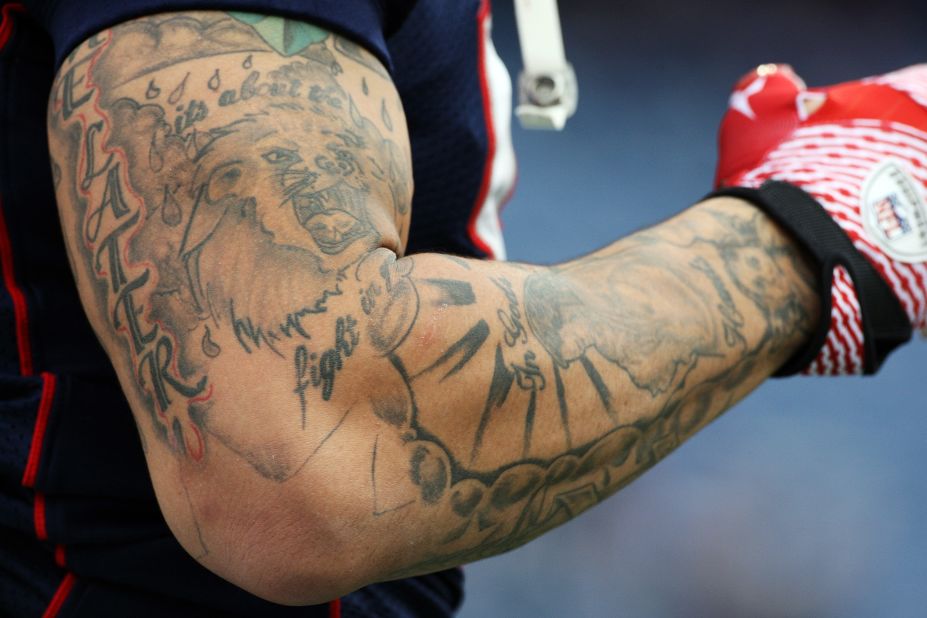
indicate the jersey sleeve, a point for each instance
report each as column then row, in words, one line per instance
column 367, row 22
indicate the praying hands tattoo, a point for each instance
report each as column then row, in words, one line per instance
column 235, row 192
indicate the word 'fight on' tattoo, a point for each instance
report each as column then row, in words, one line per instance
column 319, row 369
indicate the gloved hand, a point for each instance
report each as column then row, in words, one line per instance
column 858, row 149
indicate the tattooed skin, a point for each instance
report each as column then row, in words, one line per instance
column 235, row 191
column 180, row 162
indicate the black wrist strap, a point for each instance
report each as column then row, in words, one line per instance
column 885, row 323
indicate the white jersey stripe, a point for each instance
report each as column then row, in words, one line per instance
column 501, row 168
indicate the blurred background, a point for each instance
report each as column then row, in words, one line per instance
column 808, row 499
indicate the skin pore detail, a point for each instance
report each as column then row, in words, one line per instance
column 235, row 192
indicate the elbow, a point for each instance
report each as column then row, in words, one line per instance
column 287, row 559
column 283, row 504
column 278, row 576
column 278, row 582
column 293, row 543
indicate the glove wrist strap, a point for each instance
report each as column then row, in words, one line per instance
column 885, row 324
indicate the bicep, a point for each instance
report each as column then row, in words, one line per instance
column 216, row 192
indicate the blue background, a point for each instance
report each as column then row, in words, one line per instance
column 807, row 499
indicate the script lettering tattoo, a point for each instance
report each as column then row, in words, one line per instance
column 733, row 319
column 320, row 369
column 510, row 317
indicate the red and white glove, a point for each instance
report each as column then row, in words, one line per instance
column 859, row 149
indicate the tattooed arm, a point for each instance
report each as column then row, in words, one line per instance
column 321, row 412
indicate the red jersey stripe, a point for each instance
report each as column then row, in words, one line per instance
column 16, row 294
column 60, row 558
column 61, row 595
column 38, row 434
column 38, row 515
column 6, row 21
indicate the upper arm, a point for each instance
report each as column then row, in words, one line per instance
column 222, row 176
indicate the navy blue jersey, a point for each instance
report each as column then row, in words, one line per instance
column 81, row 533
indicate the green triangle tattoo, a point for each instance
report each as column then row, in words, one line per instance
column 286, row 36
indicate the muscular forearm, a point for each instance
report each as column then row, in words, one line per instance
column 320, row 412
column 551, row 388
